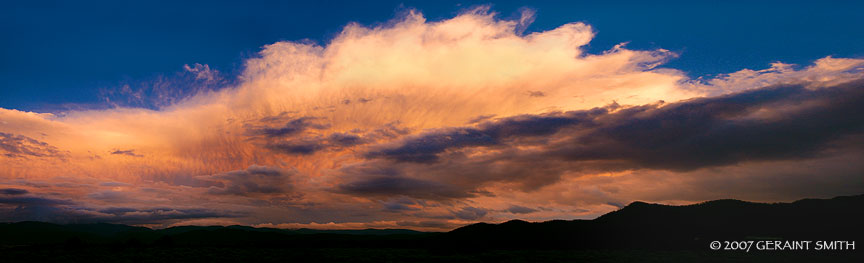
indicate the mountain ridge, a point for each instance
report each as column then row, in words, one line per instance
column 637, row 225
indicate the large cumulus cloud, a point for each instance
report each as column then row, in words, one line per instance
column 433, row 124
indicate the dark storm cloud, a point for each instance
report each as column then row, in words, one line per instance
column 515, row 209
column 13, row 191
column 253, row 180
column 426, row 147
column 401, row 186
column 295, row 135
column 788, row 122
column 32, row 201
column 70, row 214
column 20, row 146
column 400, row 205
column 312, row 144
column 290, row 128
column 776, row 123
column 296, row 147
column 282, row 117
column 344, row 139
column 35, row 208
column 766, row 124
column 470, row 213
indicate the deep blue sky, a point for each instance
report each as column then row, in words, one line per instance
column 54, row 53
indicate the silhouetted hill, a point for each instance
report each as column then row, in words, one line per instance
column 653, row 226
column 637, row 226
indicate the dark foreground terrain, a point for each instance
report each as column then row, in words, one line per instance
column 246, row 254
column 640, row 232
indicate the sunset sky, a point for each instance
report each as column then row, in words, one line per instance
column 426, row 116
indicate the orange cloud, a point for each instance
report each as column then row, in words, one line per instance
column 318, row 111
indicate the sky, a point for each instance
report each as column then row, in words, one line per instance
column 421, row 115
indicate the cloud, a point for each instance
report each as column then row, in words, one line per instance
column 13, row 191
column 425, row 148
column 66, row 214
column 345, row 139
column 536, row 93
column 389, row 186
column 773, row 123
column 292, row 127
column 401, row 205
column 470, row 213
column 426, row 124
column 164, row 90
column 202, row 72
column 433, row 224
column 296, row 147
column 255, row 179
column 20, row 146
column 515, row 209
column 114, row 184
column 781, row 122
column 126, row 152
column 152, row 215
column 32, row 201
column 315, row 143
column 35, row 208
column 778, row 122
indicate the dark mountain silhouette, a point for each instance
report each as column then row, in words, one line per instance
column 654, row 226
column 640, row 230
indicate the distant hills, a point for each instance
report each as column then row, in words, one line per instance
column 653, row 226
column 637, row 226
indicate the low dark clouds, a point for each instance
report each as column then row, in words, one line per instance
column 401, row 205
column 515, row 209
column 401, row 186
column 774, row 123
column 426, row 147
column 771, row 123
column 296, row 147
column 32, row 201
column 345, row 139
column 152, row 215
column 13, row 145
column 298, row 136
column 427, row 223
column 470, row 213
column 35, row 208
column 291, row 127
column 253, row 180
column 126, row 152
column 13, row 191
column 312, row 144
column 777, row 123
